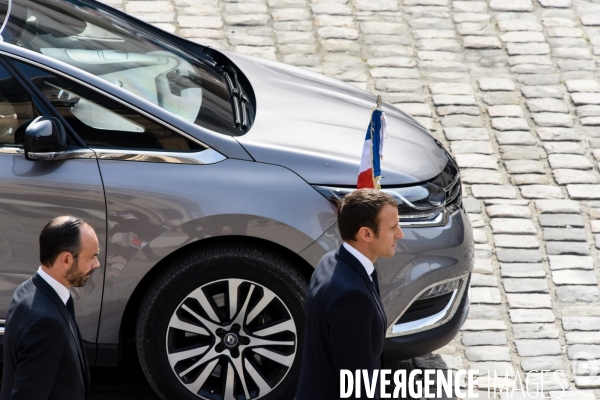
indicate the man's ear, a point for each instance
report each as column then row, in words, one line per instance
column 365, row 234
column 65, row 259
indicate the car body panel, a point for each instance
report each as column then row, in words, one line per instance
column 187, row 203
column 316, row 126
column 33, row 193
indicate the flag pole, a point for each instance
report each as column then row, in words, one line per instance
column 378, row 101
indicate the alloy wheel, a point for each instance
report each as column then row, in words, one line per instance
column 231, row 339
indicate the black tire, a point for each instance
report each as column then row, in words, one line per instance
column 206, row 279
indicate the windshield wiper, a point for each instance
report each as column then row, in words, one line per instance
column 240, row 101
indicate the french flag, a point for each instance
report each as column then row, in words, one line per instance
column 370, row 169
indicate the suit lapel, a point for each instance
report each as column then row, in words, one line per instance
column 43, row 286
column 360, row 269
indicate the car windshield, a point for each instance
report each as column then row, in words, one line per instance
column 109, row 46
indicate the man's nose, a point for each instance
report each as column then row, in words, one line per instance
column 400, row 233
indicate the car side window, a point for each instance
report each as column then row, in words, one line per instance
column 16, row 109
column 102, row 122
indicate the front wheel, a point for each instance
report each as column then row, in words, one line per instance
column 224, row 324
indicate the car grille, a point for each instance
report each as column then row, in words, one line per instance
column 449, row 179
column 425, row 308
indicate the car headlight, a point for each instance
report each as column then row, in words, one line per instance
column 419, row 204
column 441, row 289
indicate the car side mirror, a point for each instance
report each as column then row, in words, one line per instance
column 45, row 139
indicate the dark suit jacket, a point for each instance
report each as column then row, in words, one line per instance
column 44, row 357
column 345, row 326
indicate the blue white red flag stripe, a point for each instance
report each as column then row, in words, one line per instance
column 369, row 173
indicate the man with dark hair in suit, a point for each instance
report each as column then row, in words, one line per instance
column 345, row 322
column 44, row 356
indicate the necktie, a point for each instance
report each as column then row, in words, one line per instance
column 375, row 281
column 71, row 308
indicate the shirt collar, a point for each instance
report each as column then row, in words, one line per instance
column 366, row 263
column 58, row 287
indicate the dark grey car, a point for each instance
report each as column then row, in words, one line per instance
column 211, row 180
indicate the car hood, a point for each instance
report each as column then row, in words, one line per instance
column 316, row 126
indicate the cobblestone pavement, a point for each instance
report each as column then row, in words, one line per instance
column 511, row 88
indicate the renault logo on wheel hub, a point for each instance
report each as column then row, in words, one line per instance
column 231, row 340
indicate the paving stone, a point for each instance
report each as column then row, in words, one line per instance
column 451, row 88
column 551, row 380
column 584, row 191
column 416, row 109
column 556, row 4
column 496, row 98
column 512, row 285
column 483, row 338
column 501, row 368
column 543, row 92
column 511, row 5
column 559, row 234
column 529, row 179
column 582, row 337
column 476, row 161
column 539, row 79
column 583, row 85
column 570, row 262
column 552, row 119
column 484, row 311
column 577, row 53
column 493, row 191
column 477, row 176
column 527, row 48
column 558, row 134
column 549, row 363
column 483, row 324
column 481, row 42
column 541, row 192
column 519, row 25
column 585, row 98
column 587, row 382
column 566, row 248
column 521, row 153
column 510, row 124
column 517, row 270
column 442, row 99
column 547, row 105
column 523, row 37
column 482, row 280
column 512, row 225
column 531, row 69
column 470, row 17
column 462, row 121
column 517, row 300
column 569, row 176
column 516, row 241
column 581, row 323
column 563, row 147
column 533, row 348
column 531, row 316
column 574, row 277
column 578, row 350
column 535, row 331
column 470, row 146
column 523, row 138
column 501, row 210
column 483, row 266
column 505, row 111
column 557, row 206
column 450, row 110
column 569, row 161
column 485, row 295
column 487, row 353
column 560, row 220
column 481, row 28
column 439, row 361
column 518, row 256
column 572, row 395
column 479, row 236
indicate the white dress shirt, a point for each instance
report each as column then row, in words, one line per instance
column 58, row 287
column 366, row 263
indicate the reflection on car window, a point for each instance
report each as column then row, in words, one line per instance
column 16, row 109
column 102, row 122
column 111, row 48
column 93, row 115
